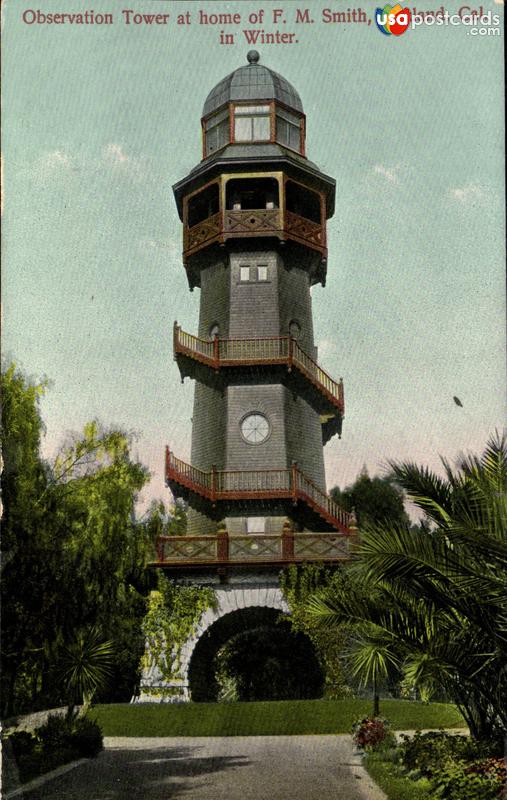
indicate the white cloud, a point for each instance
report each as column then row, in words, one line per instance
column 115, row 156
column 55, row 159
column 50, row 164
column 467, row 194
column 389, row 174
column 326, row 347
column 163, row 244
column 115, row 153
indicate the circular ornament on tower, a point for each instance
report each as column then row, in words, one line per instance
column 255, row 428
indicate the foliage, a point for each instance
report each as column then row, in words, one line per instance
column 457, row 780
column 270, row 663
column 22, row 743
column 298, row 583
column 384, row 770
column 87, row 736
column 72, row 550
column 173, row 613
column 453, row 767
column 54, row 734
column 163, row 521
column 428, row 752
column 59, row 740
column 371, row 733
column 85, row 665
column 375, row 500
column 263, row 718
column 437, row 596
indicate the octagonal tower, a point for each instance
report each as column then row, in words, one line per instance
column 254, row 214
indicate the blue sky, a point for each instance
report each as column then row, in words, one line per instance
column 99, row 122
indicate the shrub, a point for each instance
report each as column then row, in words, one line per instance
column 23, row 743
column 55, row 734
column 30, row 765
column 457, row 780
column 372, row 733
column 57, row 742
column 87, row 737
column 428, row 752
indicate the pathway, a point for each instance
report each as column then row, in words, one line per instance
column 218, row 768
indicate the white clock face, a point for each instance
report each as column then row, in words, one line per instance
column 255, row 428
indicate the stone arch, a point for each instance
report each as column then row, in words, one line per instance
column 252, row 620
column 230, row 599
column 156, row 689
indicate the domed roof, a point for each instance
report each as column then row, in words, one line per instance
column 252, row 82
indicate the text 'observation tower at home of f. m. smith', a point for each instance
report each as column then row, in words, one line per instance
column 254, row 214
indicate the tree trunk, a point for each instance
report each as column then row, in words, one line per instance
column 376, row 701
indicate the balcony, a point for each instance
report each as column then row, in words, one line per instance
column 288, row 487
column 277, row 549
column 277, row 223
column 283, row 351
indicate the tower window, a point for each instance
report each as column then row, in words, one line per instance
column 253, row 274
column 252, row 124
column 294, row 329
column 288, row 129
column 256, row 524
column 255, row 428
column 217, row 131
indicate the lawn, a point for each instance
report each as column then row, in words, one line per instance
column 266, row 718
column 396, row 786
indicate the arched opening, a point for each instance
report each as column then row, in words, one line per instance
column 302, row 201
column 255, row 655
column 203, row 205
column 248, row 194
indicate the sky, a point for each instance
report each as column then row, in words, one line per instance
column 100, row 121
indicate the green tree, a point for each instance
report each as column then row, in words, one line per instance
column 437, row 596
column 85, row 667
column 26, row 540
column 298, row 584
column 72, row 549
column 375, row 500
column 270, row 662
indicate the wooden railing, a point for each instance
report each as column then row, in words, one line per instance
column 273, row 350
column 187, row 474
column 271, row 548
column 302, row 228
column 291, row 484
column 198, row 235
column 307, row 490
column 253, row 222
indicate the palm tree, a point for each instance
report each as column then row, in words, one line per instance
column 438, row 596
column 85, row 667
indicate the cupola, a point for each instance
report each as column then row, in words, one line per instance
column 253, row 105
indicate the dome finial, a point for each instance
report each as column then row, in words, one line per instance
column 253, row 57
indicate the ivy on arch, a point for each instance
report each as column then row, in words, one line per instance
column 172, row 617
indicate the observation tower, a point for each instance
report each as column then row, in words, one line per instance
column 254, row 213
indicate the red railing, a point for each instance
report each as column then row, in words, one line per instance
column 219, row 353
column 289, row 484
column 270, row 548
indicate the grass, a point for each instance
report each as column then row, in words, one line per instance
column 396, row 786
column 289, row 717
